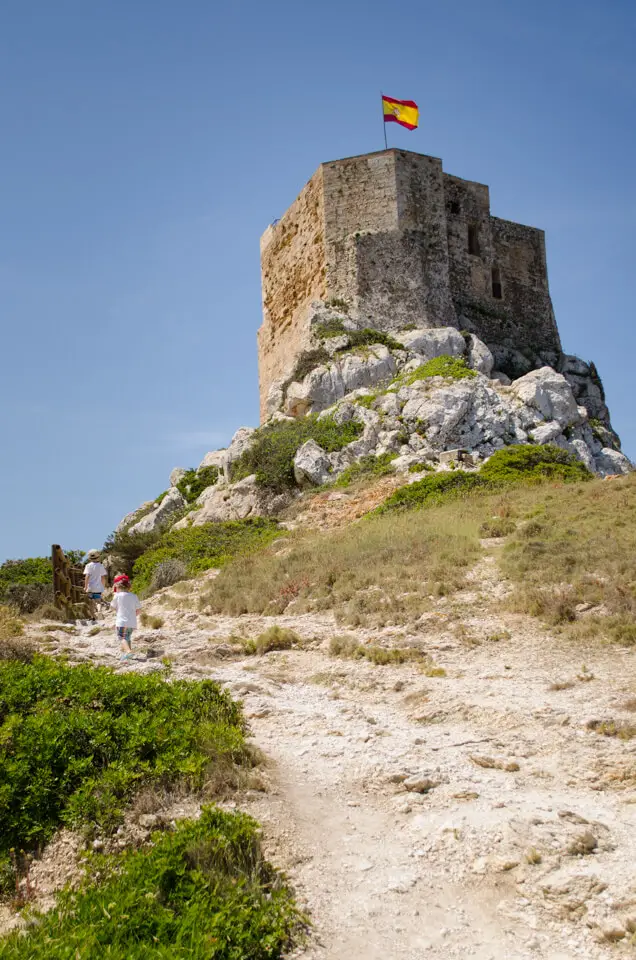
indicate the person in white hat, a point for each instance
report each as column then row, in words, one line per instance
column 95, row 576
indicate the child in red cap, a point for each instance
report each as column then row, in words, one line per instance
column 127, row 606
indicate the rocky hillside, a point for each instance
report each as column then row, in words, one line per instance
column 421, row 400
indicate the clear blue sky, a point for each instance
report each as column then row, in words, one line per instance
column 146, row 144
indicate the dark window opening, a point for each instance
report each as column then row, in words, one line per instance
column 497, row 289
column 454, row 208
column 473, row 239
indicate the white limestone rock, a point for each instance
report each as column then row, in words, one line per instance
column 236, row 501
column 312, row 466
column 550, row 393
column 547, row 432
column 160, row 517
column 326, row 384
column 177, row 474
column 442, row 341
column 479, row 356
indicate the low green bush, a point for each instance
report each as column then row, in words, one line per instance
column 28, row 583
column 271, row 453
column 307, row 362
column 194, row 482
column 201, row 548
column 367, row 468
column 274, row 638
column 368, row 337
column 202, row 891
column 125, row 548
column 516, row 464
column 77, row 742
column 433, row 490
column 534, row 464
column 451, row 368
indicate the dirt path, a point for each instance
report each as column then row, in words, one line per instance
column 516, row 838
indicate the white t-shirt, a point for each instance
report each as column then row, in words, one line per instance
column 95, row 572
column 126, row 605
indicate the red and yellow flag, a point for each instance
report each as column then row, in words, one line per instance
column 404, row 112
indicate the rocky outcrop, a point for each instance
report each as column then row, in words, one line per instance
column 407, row 410
column 172, row 503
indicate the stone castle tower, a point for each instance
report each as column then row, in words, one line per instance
column 400, row 242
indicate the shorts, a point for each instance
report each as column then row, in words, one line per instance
column 125, row 634
column 94, row 596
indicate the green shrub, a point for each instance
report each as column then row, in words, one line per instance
column 520, row 463
column 202, row 892
column 419, row 467
column 368, row 337
column 307, row 362
column 434, row 490
column 331, row 328
column 451, row 368
column 274, row 638
column 204, row 547
column 271, row 453
column 167, row 573
column 367, row 468
column 28, row 583
column 194, row 482
column 125, row 548
column 27, row 597
column 366, row 400
column 78, row 741
column 533, row 463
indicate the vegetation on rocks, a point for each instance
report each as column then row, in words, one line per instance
column 369, row 337
column 511, row 465
column 27, row 584
column 194, row 482
column 200, row 892
column 366, row 468
column 77, row 743
column 451, row 368
column 200, row 548
column 271, row 452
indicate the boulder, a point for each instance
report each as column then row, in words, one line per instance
column 442, row 341
column 547, row 432
column 479, row 356
column 609, row 462
column 236, row 501
column 550, row 393
column 326, row 384
column 571, row 364
column 130, row 517
column 312, row 466
column 160, row 517
column 177, row 474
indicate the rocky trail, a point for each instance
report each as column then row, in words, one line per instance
column 469, row 807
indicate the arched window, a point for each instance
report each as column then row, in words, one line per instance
column 473, row 239
column 497, row 288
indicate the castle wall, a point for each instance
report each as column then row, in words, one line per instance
column 403, row 243
column 293, row 274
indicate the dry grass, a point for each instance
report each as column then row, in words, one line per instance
column 150, row 620
column 379, row 571
column 533, row 856
column 274, row 638
column 493, row 763
column 613, row 728
column 577, row 549
column 562, row 685
column 348, row 648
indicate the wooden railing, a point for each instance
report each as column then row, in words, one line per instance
column 68, row 587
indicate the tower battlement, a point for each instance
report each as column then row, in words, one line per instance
column 400, row 242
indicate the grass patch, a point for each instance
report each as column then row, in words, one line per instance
column 194, row 482
column 307, row 362
column 383, row 571
column 201, row 891
column 368, row 338
column 78, row 742
column 613, row 728
column 271, row 453
column 202, row 548
column 348, row 648
column 450, row 368
column 577, row 547
column 517, row 464
column 274, row 638
column 150, row 620
column 27, row 584
column 367, row 468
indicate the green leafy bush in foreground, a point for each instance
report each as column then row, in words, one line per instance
column 519, row 463
column 77, row 742
column 201, row 892
column 204, row 547
column 271, row 454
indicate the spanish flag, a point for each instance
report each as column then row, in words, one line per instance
column 404, row 112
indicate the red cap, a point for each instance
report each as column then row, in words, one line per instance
column 122, row 578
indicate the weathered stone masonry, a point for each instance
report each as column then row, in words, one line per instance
column 401, row 242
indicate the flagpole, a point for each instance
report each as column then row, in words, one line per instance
column 386, row 146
